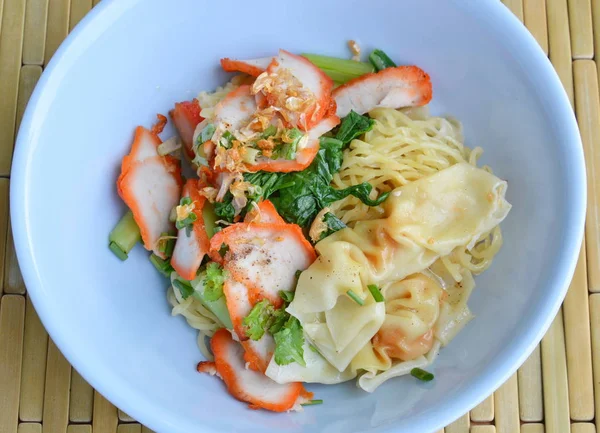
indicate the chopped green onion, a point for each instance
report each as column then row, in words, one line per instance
column 189, row 220
column 269, row 132
column 166, row 244
column 423, row 375
column 227, row 139
column 355, row 297
column 250, row 155
column 207, row 133
column 340, row 70
column 381, row 60
column 184, row 288
column 162, row 266
column 124, row 236
column 376, row 293
column 297, row 274
column 312, row 403
column 286, row 295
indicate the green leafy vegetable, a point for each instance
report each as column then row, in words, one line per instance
column 207, row 133
column 289, row 343
column 258, row 320
column 423, row 375
column 161, row 265
column 288, row 150
column 215, row 278
column 340, row 70
column 224, row 210
column 353, row 125
column 381, row 60
column 278, row 320
column 190, row 218
column 184, row 288
column 286, row 295
column 333, row 225
column 355, row 297
column 376, row 293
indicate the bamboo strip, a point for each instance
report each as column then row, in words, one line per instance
column 11, row 45
column 554, row 372
column 484, row 411
column 580, row 22
column 532, row 428
column 12, row 322
column 34, row 38
column 56, row 398
column 146, row 430
column 29, row 427
column 129, row 428
column 79, row 8
column 35, row 350
column 516, row 7
column 577, row 337
column 587, row 107
column 559, row 44
column 79, row 428
column 95, row 2
column 531, row 405
column 594, row 301
column 596, row 24
column 124, row 417
column 58, row 26
column 4, row 185
column 30, row 74
column 13, row 280
column 461, row 425
column 506, row 407
column 82, row 399
column 483, row 429
column 534, row 12
column 583, row 427
column 105, row 415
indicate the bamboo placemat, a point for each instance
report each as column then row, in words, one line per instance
column 552, row 392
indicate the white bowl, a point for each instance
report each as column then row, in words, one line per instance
column 130, row 59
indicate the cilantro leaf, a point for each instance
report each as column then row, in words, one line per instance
column 258, row 320
column 215, row 278
column 289, row 343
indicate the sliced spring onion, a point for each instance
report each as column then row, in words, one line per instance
column 250, row 155
column 286, row 295
column 162, row 266
column 340, row 70
column 209, row 217
column 376, row 293
column 207, row 133
column 423, row 375
column 169, row 146
column 355, row 297
column 124, row 236
column 166, row 244
column 184, row 288
column 381, row 60
column 312, row 403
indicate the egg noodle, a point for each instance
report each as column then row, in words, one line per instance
column 403, row 146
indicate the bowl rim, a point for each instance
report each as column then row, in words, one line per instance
column 140, row 406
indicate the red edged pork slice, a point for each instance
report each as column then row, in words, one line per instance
column 265, row 257
column 258, row 353
column 237, row 299
column 305, row 153
column 186, row 116
column 264, row 212
column 150, row 185
column 248, row 385
column 402, row 86
column 236, row 109
column 253, row 67
column 304, row 106
column 190, row 249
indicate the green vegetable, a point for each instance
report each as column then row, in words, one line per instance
column 227, row 140
column 184, row 287
column 287, row 296
column 258, row 320
column 166, row 244
column 376, row 293
column 188, row 221
column 297, row 274
column 124, row 236
column 340, row 70
column 269, row 132
column 278, row 320
column 312, row 403
column 217, row 307
column 210, row 219
column 224, row 209
column 380, row 60
column 423, row 375
column 353, row 125
column 333, row 224
column 288, row 150
column 355, row 297
column 289, row 343
column 161, row 265
column 207, row 133
column 215, row 278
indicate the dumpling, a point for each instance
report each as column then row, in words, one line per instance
column 422, row 221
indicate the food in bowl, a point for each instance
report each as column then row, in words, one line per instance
column 331, row 229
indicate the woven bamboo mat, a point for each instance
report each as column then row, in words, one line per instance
column 552, row 392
